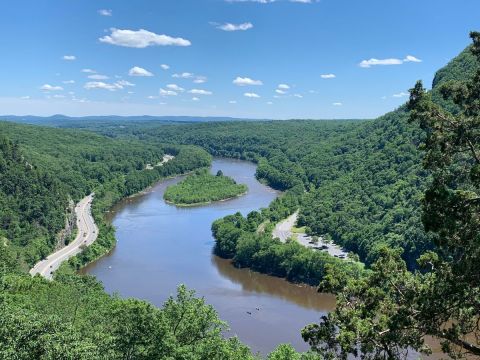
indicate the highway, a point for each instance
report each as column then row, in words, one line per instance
column 87, row 234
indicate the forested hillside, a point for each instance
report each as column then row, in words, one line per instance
column 364, row 178
column 45, row 168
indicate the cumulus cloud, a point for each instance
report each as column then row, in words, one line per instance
column 328, row 76
column 164, row 92
column 141, row 39
column 88, row 71
column 200, row 79
column 97, row 77
column 48, row 87
column 69, row 57
column 138, row 71
column 118, row 85
column 175, row 87
column 244, row 81
column 410, row 58
column 184, row 75
column 165, row 66
column 124, row 83
column 280, row 91
column 105, row 12
column 283, row 86
column 251, row 95
column 200, row 92
column 392, row 61
column 235, row 27
column 195, row 99
column 91, row 85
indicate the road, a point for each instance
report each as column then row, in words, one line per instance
column 87, row 234
column 283, row 230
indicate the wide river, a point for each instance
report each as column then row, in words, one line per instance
column 161, row 246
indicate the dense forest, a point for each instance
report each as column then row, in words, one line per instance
column 361, row 182
column 203, row 187
column 364, row 179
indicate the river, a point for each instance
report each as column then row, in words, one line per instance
column 161, row 246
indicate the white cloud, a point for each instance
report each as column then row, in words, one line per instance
column 200, row 92
column 105, row 12
column 69, row 57
column 298, row 96
column 165, row 66
column 119, row 85
column 185, row 75
column 269, row 103
column 200, row 79
column 48, row 87
column 175, row 87
column 374, row 62
column 251, row 95
column 25, row 97
column 101, row 85
column 232, row 102
column 235, row 27
column 284, row 86
column 410, row 58
column 280, row 91
column 151, row 97
column 124, row 83
column 400, row 95
column 328, row 76
column 69, row 82
column 195, row 99
column 57, row 96
column 138, row 71
column 88, row 71
column 141, row 39
column 97, row 77
column 392, row 61
column 246, row 81
column 337, row 104
column 164, row 92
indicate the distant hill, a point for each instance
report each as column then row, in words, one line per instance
column 69, row 121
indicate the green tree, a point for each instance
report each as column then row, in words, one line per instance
column 390, row 310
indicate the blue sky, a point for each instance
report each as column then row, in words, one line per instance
column 242, row 58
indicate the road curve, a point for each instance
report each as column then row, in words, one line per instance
column 283, row 230
column 87, row 234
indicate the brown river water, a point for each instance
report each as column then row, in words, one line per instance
column 161, row 246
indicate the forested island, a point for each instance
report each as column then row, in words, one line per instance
column 203, row 188
column 410, row 214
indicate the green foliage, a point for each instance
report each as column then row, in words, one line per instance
column 75, row 319
column 390, row 310
column 237, row 238
column 203, row 187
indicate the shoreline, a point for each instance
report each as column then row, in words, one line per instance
column 205, row 202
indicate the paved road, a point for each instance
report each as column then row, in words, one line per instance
column 283, row 230
column 87, row 234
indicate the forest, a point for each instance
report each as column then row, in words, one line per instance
column 203, row 187
column 401, row 191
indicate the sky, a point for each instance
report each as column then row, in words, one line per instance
column 275, row 59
